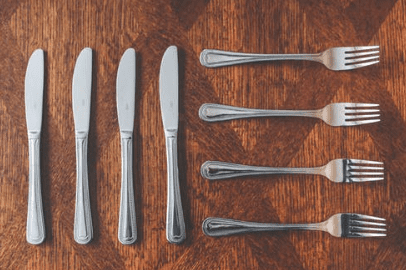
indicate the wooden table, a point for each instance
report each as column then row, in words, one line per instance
column 64, row 28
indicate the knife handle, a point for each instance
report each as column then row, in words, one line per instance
column 127, row 229
column 35, row 215
column 175, row 224
column 83, row 229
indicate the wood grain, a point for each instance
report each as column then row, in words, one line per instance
column 63, row 28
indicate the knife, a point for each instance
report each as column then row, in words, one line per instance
column 81, row 93
column 34, row 89
column 168, row 90
column 125, row 87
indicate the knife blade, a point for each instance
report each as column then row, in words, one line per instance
column 81, row 96
column 125, row 87
column 34, row 90
column 168, row 90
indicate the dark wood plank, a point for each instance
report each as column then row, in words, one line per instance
column 63, row 28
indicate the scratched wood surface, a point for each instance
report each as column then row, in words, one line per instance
column 63, row 28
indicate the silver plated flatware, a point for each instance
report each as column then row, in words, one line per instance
column 125, row 87
column 334, row 114
column 338, row 58
column 81, row 97
column 34, row 89
column 168, row 90
column 337, row 170
column 349, row 225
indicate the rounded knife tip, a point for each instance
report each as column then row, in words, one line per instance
column 38, row 51
column 129, row 51
column 172, row 48
column 85, row 53
column 87, row 49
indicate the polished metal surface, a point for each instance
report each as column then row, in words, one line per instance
column 81, row 97
column 82, row 90
column 339, row 58
column 335, row 114
column 339, row 225
column 168, row 90
column 34, row 89
column 125, row 91
column 125, row 88
column 337, row 170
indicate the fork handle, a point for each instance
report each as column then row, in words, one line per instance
column 215, row 227
column 127, row 229
column 217, row 58
column 35, row 216
column 83, row 228
column 214, row 170
column 216, row 112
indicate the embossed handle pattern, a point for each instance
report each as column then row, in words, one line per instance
column 35, row 215
column 216, row 112
column 214, row 170
column 127, row 229
column 175, row 224
column 213, row 226
column 83, row 228
column 217, row 58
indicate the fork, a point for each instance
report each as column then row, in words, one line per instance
column 338, row 58
column 338, row 225
column 337, row 170
column 335, row 114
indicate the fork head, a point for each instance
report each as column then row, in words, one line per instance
column 346, row 58
column 355, row 225
column 350, row 114
column 354, row 170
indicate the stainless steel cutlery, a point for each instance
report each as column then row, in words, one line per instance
column 81, row 97
column 339, row 225
column 337, row 170
column 127, row 229
column 335, row 114
column 338, row 58
column 34, row 89
column 168, row 91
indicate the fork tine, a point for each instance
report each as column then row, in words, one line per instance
column 354, row 117
column 358, row 161
column 368, row 229
column 357, row 105
column 352, row 167
column 366, row 173
column 360, row 234
column 366, row 179
column 367, row 217
column 361, row 48
column 363, row 122
column 361, row 110
column 366, row 223
column 362, row 59
column 361, row 116
column 355, row 54
column 354, row 66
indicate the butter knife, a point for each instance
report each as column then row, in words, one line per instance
column 168, row 90
column 125, row 87
column 34, row 89
column 81, row 95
